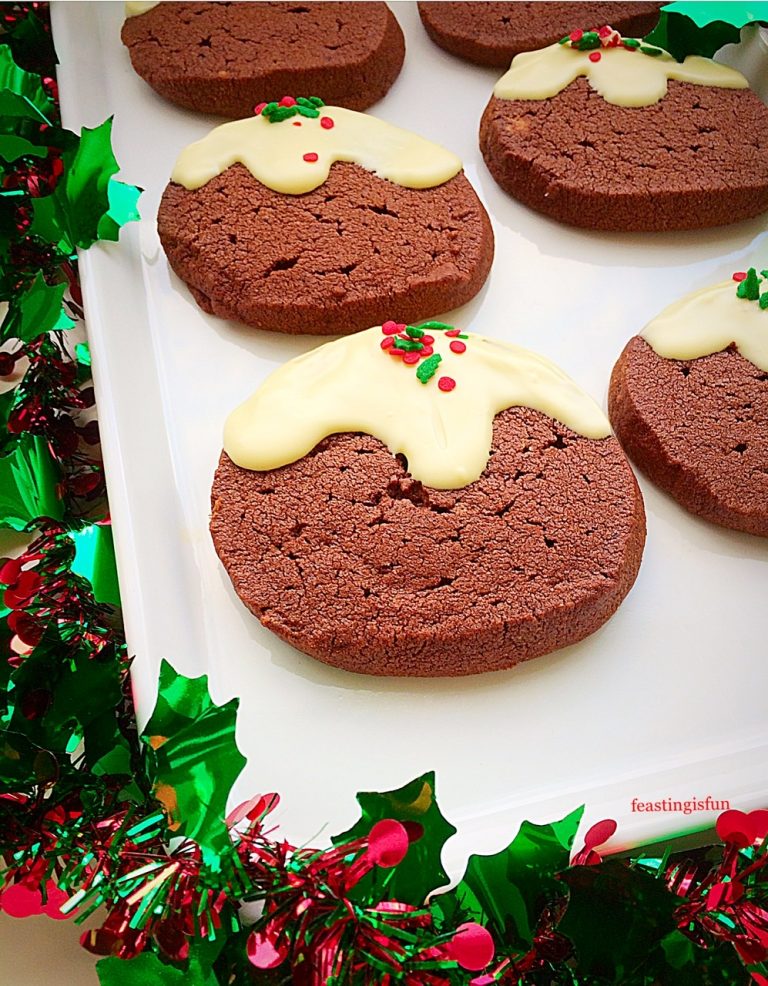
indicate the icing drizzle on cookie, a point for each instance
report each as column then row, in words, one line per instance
column 442, row 421
column 711, row 320
column 620, row 69
column 294, row 156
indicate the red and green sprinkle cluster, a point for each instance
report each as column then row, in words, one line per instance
column 413, row 345
column 289, row 106
column 605, row 37
column 749, row 282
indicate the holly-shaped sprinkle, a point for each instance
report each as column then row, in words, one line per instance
column 288, row 107
column 748, row 286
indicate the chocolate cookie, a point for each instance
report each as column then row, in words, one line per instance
column 301, row 239
column 224, row 58
column 642, row 153
column 468, row 536
column 698, row 426
column 493, row 33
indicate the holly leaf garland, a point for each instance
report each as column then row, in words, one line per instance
column 506, row 891
column 37, row 311
column 192, row 756
column 421, row 871
column 703, row 28
column 29, row 477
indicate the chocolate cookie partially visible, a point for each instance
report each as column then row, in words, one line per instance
column 642, row 143
column 689, row 402
column 410, row 501
column 493, row 33
column 224, row 58
column 333, row 220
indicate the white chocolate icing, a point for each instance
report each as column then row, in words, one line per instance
column 708, row 321
column 622, row 77
column 135, row 7
column 274, row 152
column 351, row 385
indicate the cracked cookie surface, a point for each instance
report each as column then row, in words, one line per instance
column 493, row 33
column 697, row 158
column 699, row 429
column 224, row 58
column 332, row 261
column 352, row 561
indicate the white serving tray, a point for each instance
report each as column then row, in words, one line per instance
column 667, row 700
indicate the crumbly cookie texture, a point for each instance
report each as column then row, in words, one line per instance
column 335, row 260
column 347, row 557
column 697, row 428
column 697, row 158
column 223, row 58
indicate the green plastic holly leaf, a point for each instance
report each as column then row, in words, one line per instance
column 86, row 183
column 148, row 968
column 26, row 84
column 20, row 134
column 95, row 561
column 703, row 28
column 123, row 209
column 421, row 871
column 28, row 484
column 616, row 917
column 506, row 891
column 36, row 311
column 192, row 757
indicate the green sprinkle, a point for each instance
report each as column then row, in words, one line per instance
column 654, row 52
column 764, row 273
column 564, row 41
column 749, row 288
column 462, row 335
column 309, row 111
column 440, row 326
column 316, row 101
column 414, row 332
column 764, row 300
column 282, row 113
column 408, row 345
column 428, row 368
column 269, row 108
column 630, row 42
column 303, row 101
column 588, row 41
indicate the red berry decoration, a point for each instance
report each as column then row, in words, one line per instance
column 472, row 947
column 388, row 843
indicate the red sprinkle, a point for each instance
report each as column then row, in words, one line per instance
column 426, row 351
column 395, row 352
column 457, row 346
column 412, row 357
column 311, row 157
column 446, row 383
column 387, row 342
column 391, row 328
column 453, row 332
column 259, row 108
column 427, row 340
column 604, row 31
column 595, row 56
column 574, row 36
column 326, row 123
column 287, row 101
column 297, row 123
column 740, row 275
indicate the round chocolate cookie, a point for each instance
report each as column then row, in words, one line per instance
column 699, row 429
column 352, row 561
column 224, row 58
column 697, row 157
column 493, row 33
column 333, row 260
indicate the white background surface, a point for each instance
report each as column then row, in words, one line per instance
column 667, row 700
